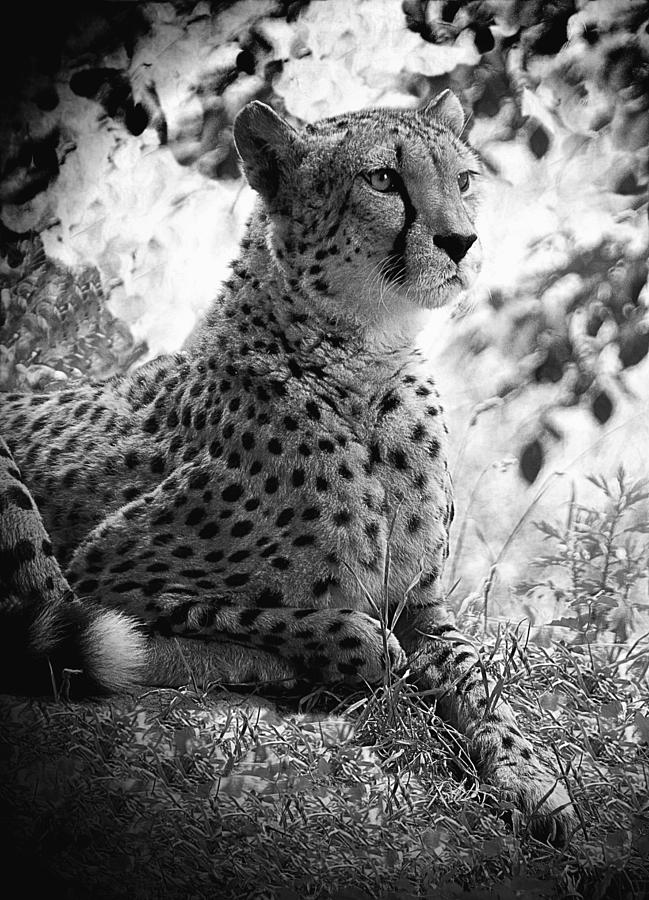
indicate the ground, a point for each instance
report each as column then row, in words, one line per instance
column 182, row 793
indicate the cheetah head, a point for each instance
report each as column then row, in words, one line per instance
column 369, row 212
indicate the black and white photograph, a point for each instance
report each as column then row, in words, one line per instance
column 324, row 449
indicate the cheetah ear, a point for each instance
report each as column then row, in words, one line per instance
column 447, row 109
column 269, row 148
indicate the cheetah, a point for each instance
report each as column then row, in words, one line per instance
column 237, row 506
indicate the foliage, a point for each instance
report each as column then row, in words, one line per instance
column 561, row 94
column 124, row 161
column 601, row 562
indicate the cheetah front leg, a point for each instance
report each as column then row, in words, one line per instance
column 444, row 662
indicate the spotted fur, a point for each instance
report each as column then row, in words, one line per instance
column 245, row 496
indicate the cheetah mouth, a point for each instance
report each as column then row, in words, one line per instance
column 433, row 294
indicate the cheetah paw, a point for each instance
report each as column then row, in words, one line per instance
column 543, row 801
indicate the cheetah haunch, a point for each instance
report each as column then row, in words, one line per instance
column 244, row 495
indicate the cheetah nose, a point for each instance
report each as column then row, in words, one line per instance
column 456, row 245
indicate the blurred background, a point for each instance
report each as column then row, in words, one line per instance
column 122, row 207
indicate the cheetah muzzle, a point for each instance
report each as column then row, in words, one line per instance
column 243, row 496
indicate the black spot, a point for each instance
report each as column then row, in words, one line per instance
column 232, row 493
column 311, row 513
column 290, row 423
column 131, row 459
column 414, row 524
column 284, row 517
column 280, row 562
column 352, row 642
column 321, row 483
column 295, row 368
column 418, row 432
column 150, row 425
column 312, row 411
column 269, row 550
column 433, row 448
column 374, row 456
column 237, row 579
column 81, row 410
column 304, row 450
column 326, row 445
column 398, row 459
column 195, row 516
column 124, row 587
column 198, row 481
column 88, row 586
column 274, row 446
column 271, row 484
column 322, row 585
column 238, row 555
column 256, row 467
column 125, row 566
column 16, row 496
column 234, row 460
column 209, row 530
column 247, row 441
column 389, row 402
column 345, row 472
column 241, row 528
column 297, row 477
column 304, row 540
column 342, row 517
column 157, row 464
column 270, row 598
column 70, row 477
column 182, row 552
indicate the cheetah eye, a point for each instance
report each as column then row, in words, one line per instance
column 464, row 181
column 383, row 180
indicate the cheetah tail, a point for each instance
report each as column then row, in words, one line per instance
column 104, row 649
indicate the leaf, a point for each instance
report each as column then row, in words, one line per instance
column 494, row 847
column 565, row 622
column 552, row 701
column 539, row 141
column 633, row 347
column 435, row 839
column 641, row 723
column 531, row 460
column 611, row 710
column 602, row 407
column 550, row 530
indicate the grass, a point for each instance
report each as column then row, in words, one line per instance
column 181, row 793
